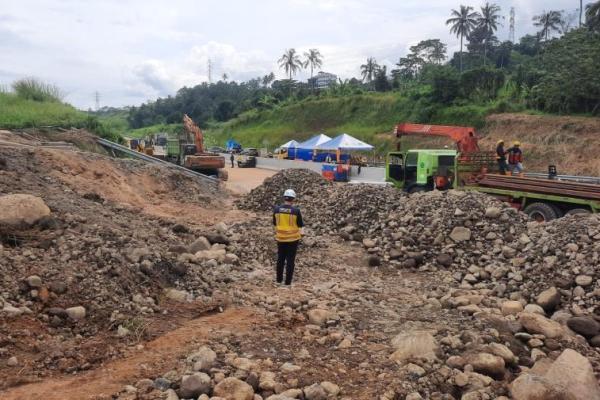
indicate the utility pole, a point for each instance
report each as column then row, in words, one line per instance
column 580, row 12
column 511, row 34
column 97, row 99
column 209, row 71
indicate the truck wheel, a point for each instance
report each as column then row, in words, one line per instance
column 576, row 211
column 541, row 212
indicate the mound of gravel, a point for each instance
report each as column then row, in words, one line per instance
column 307, row 184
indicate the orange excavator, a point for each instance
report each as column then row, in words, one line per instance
column 194, row 156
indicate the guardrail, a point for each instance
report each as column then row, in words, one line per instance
column 574, row 178
column 147, row 158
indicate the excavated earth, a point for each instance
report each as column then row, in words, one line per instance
column 142, row 283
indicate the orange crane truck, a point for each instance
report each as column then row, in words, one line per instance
column 469, row 168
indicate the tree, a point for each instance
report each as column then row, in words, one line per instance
column 314, row 59
column 268, row 79
column 592, row 16
column 382, row 84
column 224, row 111
column 369, row 69
column 290, row 62
column 431, row 51
column 549, row 22
column 488, row 20
column 462, row 22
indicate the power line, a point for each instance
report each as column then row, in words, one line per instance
column 511, row 34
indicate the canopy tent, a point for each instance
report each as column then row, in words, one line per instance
column 344, row 142
column 232, row 145
column 305, row 150
column 291, row 144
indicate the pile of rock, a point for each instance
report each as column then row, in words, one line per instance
column 222, row 374
column 308, row 185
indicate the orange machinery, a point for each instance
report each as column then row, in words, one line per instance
column 200, row 160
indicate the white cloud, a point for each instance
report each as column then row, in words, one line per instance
column 134, row 50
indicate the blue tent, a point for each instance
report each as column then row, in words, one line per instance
column 304, row 150
column 232, row 145
column 344, row 142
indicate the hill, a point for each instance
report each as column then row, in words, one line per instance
column 17, row 112
column 364, row 116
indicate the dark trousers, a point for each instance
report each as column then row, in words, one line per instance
column 286, row 255
column 502, row 167
column 232, row 163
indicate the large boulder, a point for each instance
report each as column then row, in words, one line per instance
column 533, row 387
column 535, row 323
column 574, row 372
column 194, row 385
column 420, row 344
column 233, row 389
column 549, row 299
column 487, row 364
column 203, row 359
column 21, row 210
column 460, row 234
column 199, row 244
column 585, row 326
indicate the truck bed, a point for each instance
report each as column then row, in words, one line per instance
column 542, row 186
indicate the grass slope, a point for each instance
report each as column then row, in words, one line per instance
column 16, row 113
column 365, row 116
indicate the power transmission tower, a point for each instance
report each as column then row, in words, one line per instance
column 511, row 34
column 209, row 71
column 97, row 99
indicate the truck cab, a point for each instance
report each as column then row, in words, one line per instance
column 421, row 170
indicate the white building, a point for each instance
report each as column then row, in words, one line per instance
column 324, row 79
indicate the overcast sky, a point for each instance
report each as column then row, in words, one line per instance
column 131, row 51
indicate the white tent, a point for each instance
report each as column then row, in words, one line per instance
column 314, row 142
column 291, row 144
column 344, row 142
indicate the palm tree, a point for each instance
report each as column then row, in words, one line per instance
column 462, row 22
column 369, row 69
column 268, row 79
column 488, row 21
column 290, row 62
column 225, row 77
column 314, row 59
column 549, row 21
column 592, row 15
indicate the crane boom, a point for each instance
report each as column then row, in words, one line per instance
column 463, row 136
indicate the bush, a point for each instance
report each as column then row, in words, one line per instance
column 33, row 89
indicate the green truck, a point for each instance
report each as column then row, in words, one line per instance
column 542, row 199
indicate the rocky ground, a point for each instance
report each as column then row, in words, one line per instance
column 433, row 296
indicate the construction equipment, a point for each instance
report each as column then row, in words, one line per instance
column 193, row 156
column 468, row 168
column 245, row 161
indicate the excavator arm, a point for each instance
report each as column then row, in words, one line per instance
column 463, row 136
column 194, row 130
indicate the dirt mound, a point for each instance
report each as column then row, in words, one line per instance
column 570, row 143
column 106, row 262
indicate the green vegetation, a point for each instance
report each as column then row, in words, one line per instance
column 35, row 104
column 17, row 112
column 365, row 116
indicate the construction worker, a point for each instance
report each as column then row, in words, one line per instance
column 515, row 158
column 232, row 158
column 501, row 157
column 288, row 222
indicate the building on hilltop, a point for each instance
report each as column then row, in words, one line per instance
column 322, row 80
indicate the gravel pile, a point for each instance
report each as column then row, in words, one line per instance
column 308, row 185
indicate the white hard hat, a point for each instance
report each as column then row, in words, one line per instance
column 289, row 193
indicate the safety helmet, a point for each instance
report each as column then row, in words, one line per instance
column 500, row 141
column 289, row 193
column 516, row 143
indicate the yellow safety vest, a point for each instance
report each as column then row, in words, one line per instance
column 286, row 224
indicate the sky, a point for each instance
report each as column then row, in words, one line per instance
column 133, row 51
